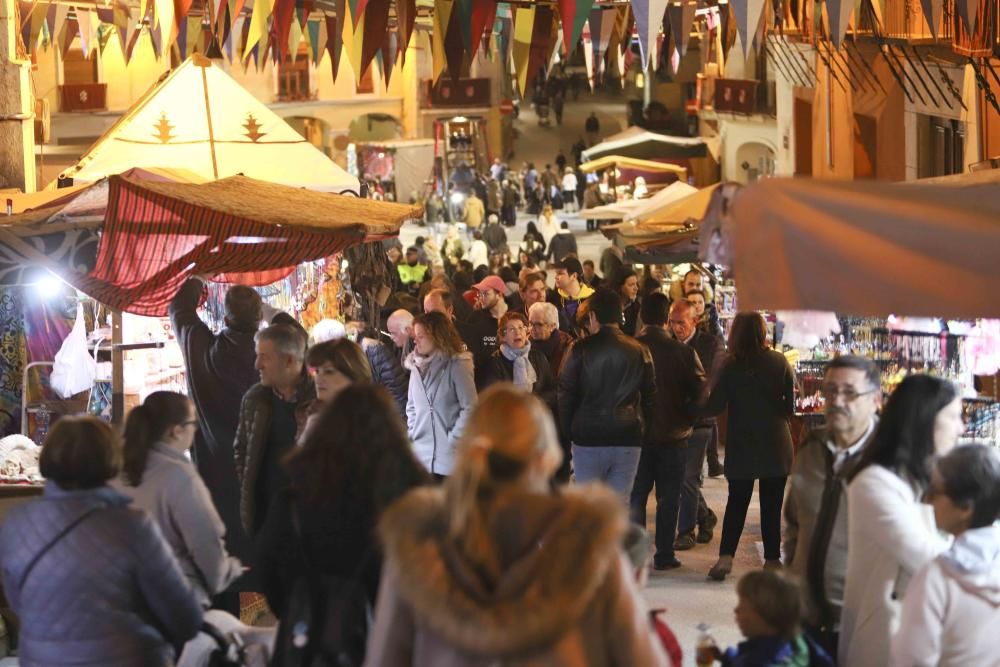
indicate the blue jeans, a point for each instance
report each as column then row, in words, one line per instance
column 693, row 505
column 615, row 466
column 662, row 467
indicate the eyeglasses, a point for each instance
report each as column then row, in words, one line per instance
column 517, row 328
column 539, row 325
column 831, row 392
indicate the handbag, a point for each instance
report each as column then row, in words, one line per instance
column 327, row 618
column 230, row 650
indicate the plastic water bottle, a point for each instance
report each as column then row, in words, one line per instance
column 706, row 648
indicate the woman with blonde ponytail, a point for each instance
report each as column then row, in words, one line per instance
column 494, row 566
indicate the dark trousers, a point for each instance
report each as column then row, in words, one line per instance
column 662, row 467
column 827, row 639
column 712, row 449
column 693, row 508
column 772, row 491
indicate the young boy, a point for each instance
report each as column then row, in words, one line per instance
column 768, row 615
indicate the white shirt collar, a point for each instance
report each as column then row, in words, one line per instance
column 842, row 455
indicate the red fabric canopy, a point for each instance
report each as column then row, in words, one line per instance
column 156, row 235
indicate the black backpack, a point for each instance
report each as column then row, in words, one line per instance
column 327, row 617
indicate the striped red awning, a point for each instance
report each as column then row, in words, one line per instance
column 157, row 235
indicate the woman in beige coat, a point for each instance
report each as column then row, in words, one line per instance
column 493, row 567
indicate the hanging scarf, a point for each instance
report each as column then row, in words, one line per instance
column 524, row 372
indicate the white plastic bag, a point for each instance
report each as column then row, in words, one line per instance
column 74, row 369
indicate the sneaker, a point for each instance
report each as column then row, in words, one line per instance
column 662, row 565
column 716, row 470
column 684, row 542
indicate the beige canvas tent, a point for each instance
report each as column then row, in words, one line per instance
column 199, row 119
column 920, row 249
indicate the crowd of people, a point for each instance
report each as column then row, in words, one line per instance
column 440, row 470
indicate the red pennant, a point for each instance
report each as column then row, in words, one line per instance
column 406, row 14
column 281, row 24
column 71, row 30
column 374, row 33
column 483, row 15
column 541, row 42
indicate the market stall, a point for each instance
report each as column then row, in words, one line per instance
column 627, row 169
column 404, row 168
column 874, row 253
column 636, row 143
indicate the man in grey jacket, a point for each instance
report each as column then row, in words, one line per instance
column 816, row 509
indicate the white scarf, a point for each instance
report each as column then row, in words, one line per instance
column 419, row 362
column 524, row 372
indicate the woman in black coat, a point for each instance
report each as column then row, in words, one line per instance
column 352, row 464
column 757, row 386
column 506, row 365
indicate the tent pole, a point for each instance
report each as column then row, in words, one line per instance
column 117, row 370
column 211, row 131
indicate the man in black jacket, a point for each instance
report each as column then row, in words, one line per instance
column 562, row 244
column 606, row 394
column 680, row 383
column 711, row 352
column 220, row 369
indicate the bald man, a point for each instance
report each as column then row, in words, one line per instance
column 400, row 326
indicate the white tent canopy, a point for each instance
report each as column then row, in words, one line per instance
column 199, row 119
column 673, row 192
column 639, row 143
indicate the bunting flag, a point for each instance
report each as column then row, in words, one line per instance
column 87, row 23
column 124, row 22
column 541, row 41
column 57, row 31
column 681, row 18
column 555, row 44
column 483, row 16
column 607, row 27
column 282, row 18
column 505, row 37
column 406, row 14
column 295, row 36
column 463, row 15
column 356, row 10
column 163, row 18
column 574, row 14
column 353, row 32
column 302, row 10
column 312, row 37
column 441, row 19
column 454, row 47
column 968, row 10
column 524, row 22
column 376, row 26
column 181, row 40
column 648, row 17
column 334, row 42
column 257, row 29
column 748, row 14
column 725, row 21
column 390, row 54
column 839, row 14
column 69, row 31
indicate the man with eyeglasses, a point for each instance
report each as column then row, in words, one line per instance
column 815, row 512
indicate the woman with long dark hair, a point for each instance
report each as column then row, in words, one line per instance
column 493, row 568
column 626, row 283
column 159, row 477
column 350, row 467
column 442, row 391
column 891, row 533
column 757, row 386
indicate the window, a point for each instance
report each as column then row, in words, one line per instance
column 940, row 146
column 293, row 77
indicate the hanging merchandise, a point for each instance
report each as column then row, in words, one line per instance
column 73, row 369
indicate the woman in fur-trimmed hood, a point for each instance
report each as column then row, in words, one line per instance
column 494, row 567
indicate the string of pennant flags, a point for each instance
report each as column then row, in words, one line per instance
column 526, row 34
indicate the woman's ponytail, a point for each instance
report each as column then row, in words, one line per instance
column 146, row 425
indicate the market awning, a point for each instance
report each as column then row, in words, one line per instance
column 622, row 162
column 644, row 145
column 157, row 234
column 865, row 248
column 617, row 211
column 665, row 197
